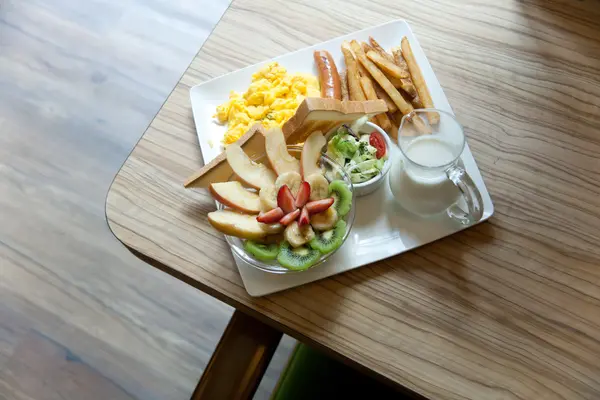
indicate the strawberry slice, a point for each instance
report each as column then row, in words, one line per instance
column 270, row 217
column 289, row 218
column 318, row 206
column 304, row 218
column 303, row 194
column 376, row 140
column 285, row 199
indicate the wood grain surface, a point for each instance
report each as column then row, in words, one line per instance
column 80, row 316
column 509, row 309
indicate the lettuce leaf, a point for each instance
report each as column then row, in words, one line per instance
column 342, row 147
column 357, row 156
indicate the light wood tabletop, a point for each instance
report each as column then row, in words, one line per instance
column 509, row 309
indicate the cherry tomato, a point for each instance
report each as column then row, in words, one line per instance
column 376, row 140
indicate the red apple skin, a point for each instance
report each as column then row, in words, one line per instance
column 229, row 203
column 235, row 224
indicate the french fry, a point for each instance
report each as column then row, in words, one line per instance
column 386, row 124
column 418, row 80
column 381, row 94
column 415, row 101
column 362, row 70
column 366, row 47
column 397, row 118
column 407, row 83
column 419, row 123
column 399, row 58
column 386, row 85
column 384, row 96
column 352, row 75
column 377, row 47
column 388, row 67
column 395, row 81
column 344, row 82
column 381, row 79
column 382, row 119
column 365, row 74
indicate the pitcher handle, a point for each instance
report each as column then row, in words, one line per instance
column 465, row 184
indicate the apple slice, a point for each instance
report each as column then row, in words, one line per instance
column 235, row 224
column 319, row 206
column 270, row 217
column 311, row 153
column 303, row 194
column 285, row 199
column 281, row 161
column 251, row 173
column 234, row 195
column 291, row 217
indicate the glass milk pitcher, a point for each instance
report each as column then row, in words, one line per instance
column 429, row 179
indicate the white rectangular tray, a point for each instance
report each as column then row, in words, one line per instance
column 378, row 232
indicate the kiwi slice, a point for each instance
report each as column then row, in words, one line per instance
column 342, row 197
column 328, row 241
column 260, row 251
column 298, row 258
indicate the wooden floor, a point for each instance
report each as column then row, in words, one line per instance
column 81, row 317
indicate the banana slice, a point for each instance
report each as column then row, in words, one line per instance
column 273, row 229
column 291, row 179
column 319, row 187
column 325, row 220
column 268, row 198
column 297, row 236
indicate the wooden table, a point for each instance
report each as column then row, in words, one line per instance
column 509, row 309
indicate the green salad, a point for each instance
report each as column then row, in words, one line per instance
column 362, row 156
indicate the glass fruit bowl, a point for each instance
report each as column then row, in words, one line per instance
column 332, row 171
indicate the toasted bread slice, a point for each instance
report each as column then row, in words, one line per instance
column 218, row 170
column 313, row 114
column 318, row 114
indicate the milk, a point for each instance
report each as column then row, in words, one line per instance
column 424, row 189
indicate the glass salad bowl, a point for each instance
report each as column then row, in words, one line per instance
column 332, row 171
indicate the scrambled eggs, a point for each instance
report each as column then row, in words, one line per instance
column 272, row 99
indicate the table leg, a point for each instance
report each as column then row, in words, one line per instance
column 239, row 361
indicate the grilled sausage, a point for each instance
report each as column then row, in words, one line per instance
column 328, row 75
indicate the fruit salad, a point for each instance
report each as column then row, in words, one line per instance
column 291, row 214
